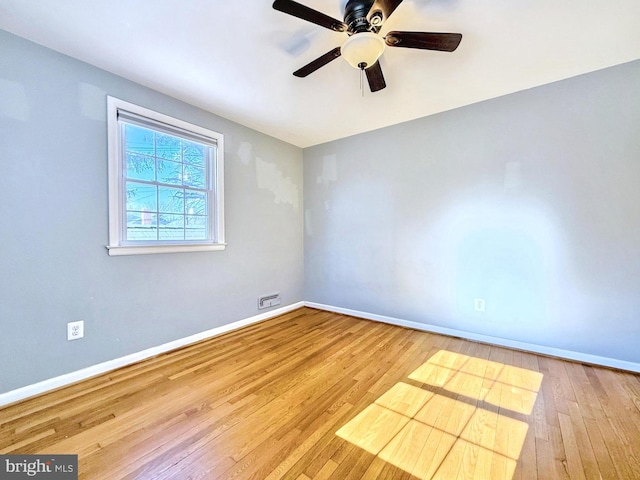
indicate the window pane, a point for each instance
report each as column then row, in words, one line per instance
column 140, row 167
column 170, row 172
column 139, row 140
column 141, row 196
column 171, row 227
column 142, row 226
column 194, row 153
column 196, row 203
column 194, row 177
column 171, row 200
column 196, row 227
column 168, row 147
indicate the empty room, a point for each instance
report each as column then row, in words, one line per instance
column 354, row 239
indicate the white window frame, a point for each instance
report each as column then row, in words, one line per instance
column 117, row 204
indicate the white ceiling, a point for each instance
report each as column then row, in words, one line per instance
column 236, row 58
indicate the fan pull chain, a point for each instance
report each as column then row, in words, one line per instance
column 362, row 65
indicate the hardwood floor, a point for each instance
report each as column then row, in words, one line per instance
column 317, row 395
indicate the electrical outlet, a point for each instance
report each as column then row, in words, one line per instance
column 478, row 305
column 75, row 330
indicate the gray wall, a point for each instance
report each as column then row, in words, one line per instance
column 53, row 211
column 530, row 201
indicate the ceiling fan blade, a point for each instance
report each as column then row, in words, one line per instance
column 375, row 77
column 384, row 7
column 309, row 14
column 317, row 63
column 444, row 42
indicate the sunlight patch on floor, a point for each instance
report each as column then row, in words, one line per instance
column 501, row 385
column 463, row 421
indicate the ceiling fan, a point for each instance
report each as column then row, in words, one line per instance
column 362, row 22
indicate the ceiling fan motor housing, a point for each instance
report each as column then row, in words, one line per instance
column 355, row 16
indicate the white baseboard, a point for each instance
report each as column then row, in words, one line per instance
column 502, row 342
column 85, row 373
column 73, row 377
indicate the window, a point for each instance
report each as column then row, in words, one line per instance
column 165, row 183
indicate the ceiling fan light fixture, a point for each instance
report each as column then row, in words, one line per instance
column 362, row 50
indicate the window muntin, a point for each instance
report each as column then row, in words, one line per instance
column 168, row 178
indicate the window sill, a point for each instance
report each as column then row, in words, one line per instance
column 117, row 250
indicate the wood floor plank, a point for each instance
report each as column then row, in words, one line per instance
column 326, row 471
column 560, row 463
column 545, row 467
column 587, row 455
column 574, row 462
column 315, row 395
column 605, row 464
